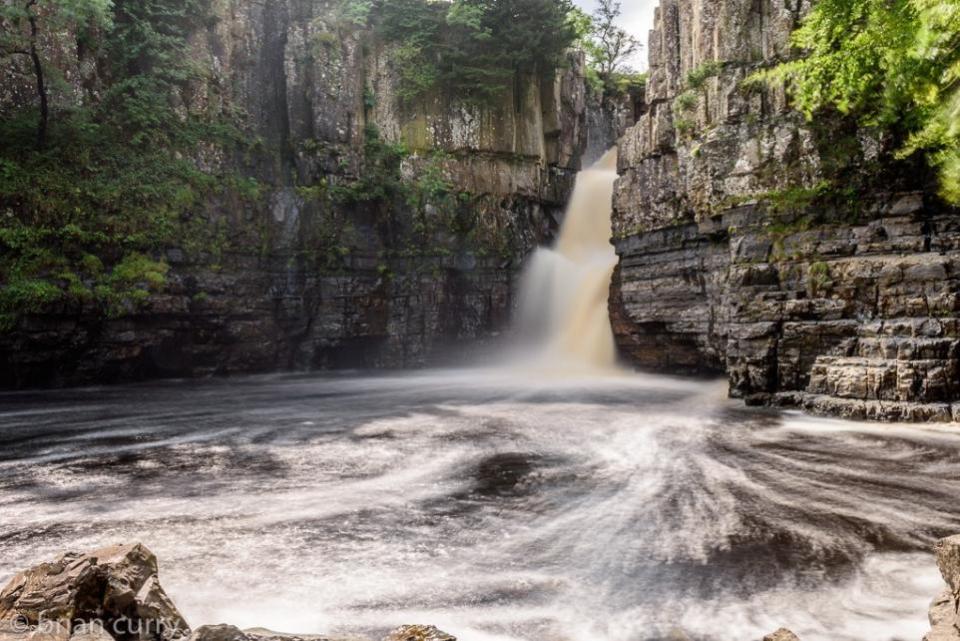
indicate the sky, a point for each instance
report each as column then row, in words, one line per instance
column 637, row 18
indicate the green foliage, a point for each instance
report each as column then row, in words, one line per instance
column 380, row 180
column 796, row 199
column 684, row 126
column 698, row 77
column 818, row 278
column 628, row 82
column 57, row 14
column 117, row 179
column 609, row 49
column 474, row 49
column 411, row 200
column 354, row 13
column 687, row 101
column 130, row 284
column 583, row 26
column 891, row 64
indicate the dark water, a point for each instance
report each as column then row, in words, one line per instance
column 495, row 505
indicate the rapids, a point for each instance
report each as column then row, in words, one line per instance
column 496, row 506
column 551, row 498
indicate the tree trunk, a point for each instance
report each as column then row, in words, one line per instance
column 41, row 82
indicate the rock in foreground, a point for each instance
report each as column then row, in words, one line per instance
column 231, row 633
column 418, row 633
column 114, row 594
column 944, row 617
column 116, row 587
column 781, row 635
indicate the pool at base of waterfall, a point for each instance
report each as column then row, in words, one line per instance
column 497, row 504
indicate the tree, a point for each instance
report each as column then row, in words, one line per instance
column 20, row 33
column 890, row 64
column 612, row 46
column 474, row 49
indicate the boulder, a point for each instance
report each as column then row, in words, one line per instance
column 219, row 633
column 230, row 633
column 948, row 559
column 20, row 630
column 782, row 635
column 117, row 587
column 418, row 633
column 92, row 631
column 944, row 620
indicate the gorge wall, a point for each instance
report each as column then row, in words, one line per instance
column 789, row 254
column 296, row 282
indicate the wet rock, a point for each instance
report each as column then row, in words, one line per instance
column 781, row 635
column 117, row 586
column 418, row 633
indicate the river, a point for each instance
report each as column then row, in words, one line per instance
column 497, row 504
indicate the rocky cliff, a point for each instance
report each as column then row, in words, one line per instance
column 298, row 282
column 786, row 253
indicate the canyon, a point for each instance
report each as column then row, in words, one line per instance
column 746, row 247
column 319, row 96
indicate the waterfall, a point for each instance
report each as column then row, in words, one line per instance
column 565, row 290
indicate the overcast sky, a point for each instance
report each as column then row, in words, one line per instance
column 637, row 18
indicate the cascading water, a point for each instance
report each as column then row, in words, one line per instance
column 497, row 505
column 565, row 289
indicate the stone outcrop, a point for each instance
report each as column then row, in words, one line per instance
column 71, row 599
column 223, row 632
column 945, row 610
column 418, row 633
column 850, row 319
column 781, row 635
column 737, row 256
column 311, row 89
column 117, row 586
column 705, row 139
column 114, row 594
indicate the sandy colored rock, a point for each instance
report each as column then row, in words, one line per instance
column 948, row 560
column 418, row 633
column 781, row 635
column 90, row 632
column 46, row 631
column 116, row 585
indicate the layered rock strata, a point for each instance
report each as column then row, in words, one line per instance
column 731, row 260
column 312, row 91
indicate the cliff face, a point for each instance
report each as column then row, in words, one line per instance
column 311, row 90
column 730, row 260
